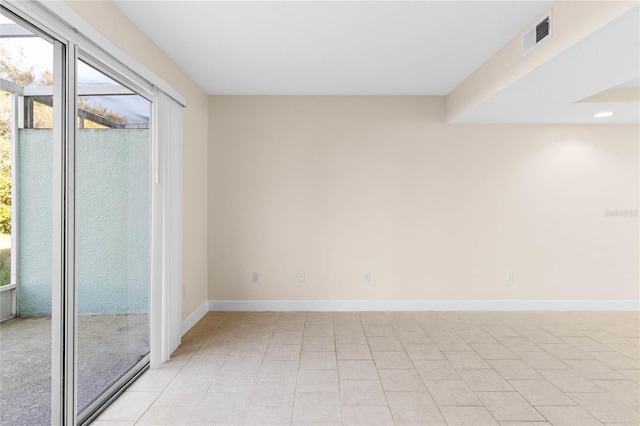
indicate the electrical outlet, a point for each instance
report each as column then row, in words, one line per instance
column 367, row 277
column 301, row 277
column 255, row 277
column 509, row 276
column 184, row 291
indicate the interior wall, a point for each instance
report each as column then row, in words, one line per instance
column 112, row 23
column 339, row 186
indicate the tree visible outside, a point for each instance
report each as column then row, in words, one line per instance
column 5, row 186
column 12, row 68
column 5, row 164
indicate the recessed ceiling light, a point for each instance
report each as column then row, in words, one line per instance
column 603, row 114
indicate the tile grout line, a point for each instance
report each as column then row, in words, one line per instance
column 450, row 323
column 295, row 390
column 168, row 384
column 333, row 333
column 421, row 378
column 474, row 392
column 216, row 375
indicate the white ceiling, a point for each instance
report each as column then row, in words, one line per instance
column 331, row 47
column 553, row 92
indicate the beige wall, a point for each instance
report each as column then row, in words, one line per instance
column 108, row 19
column 337, row 186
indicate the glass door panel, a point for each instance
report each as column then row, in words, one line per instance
column 26, row 219
column 112, row 232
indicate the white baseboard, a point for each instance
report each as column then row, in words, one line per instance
column 194, row 317
column 424, row 305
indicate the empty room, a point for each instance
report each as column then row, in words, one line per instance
column 319, row 212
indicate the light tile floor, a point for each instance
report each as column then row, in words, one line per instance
column 403, row 368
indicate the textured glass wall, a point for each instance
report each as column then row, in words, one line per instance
column 115, row 222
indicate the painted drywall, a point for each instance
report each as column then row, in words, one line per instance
column 572, row 21
column 114, row 25
column 339, row 186
column 112, row 221
column 626, row 94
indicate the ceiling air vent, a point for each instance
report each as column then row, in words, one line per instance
column 536, row 35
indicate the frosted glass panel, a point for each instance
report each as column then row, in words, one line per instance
column 112, row 235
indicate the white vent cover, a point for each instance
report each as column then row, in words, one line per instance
column 536, row 35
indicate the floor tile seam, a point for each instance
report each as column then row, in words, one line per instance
column 295, row 390
column 146, row 409
column 569, row 366
column 423, row 382
column 475, row 392
column 524, row 362
column 477, row 397
column 244, row 409
column 378, row 375
column 339, row 384
column 527, row 401
column 576, row 403
column 197, row 405
column 395, row 332
column 380, row 380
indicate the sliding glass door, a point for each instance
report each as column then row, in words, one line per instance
column 112, row 231
column 75, row 228
column 26, row 223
